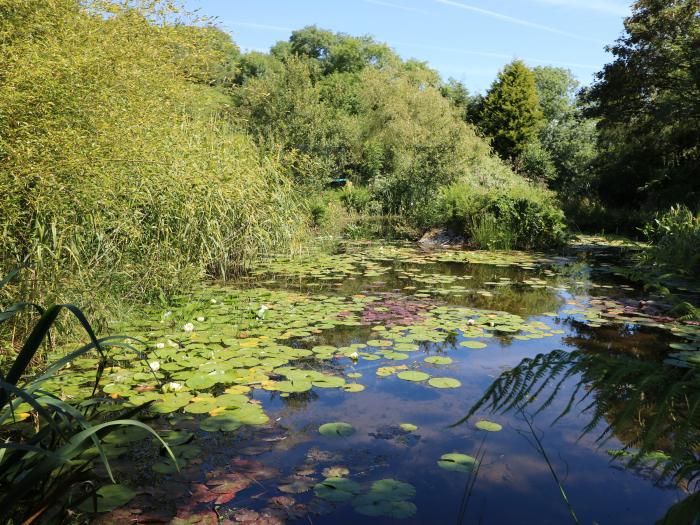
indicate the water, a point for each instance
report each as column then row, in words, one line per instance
column 575, row 304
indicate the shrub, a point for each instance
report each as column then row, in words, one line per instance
column 522, row 217
column 675, row 240
column 356, row 199
column 119, row 175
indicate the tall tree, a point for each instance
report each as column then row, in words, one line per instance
column 556, row 89
column 648, row 102
column 511, row 111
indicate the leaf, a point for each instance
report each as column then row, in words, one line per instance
column 413, row 375
column 457, row 462
column 488, row 426
column 108, row 497
column 444, row 382
column 336, row 429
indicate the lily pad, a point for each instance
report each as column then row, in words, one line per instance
column 444, row 382
column 413, row 375
column 457, row 462
column 109, row 498
column 408, row 427
column 336, row 429
column 488, row 426
column 337, row 489
column 475, row 345
column 438, row 360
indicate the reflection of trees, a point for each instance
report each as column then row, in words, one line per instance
column 650, row 407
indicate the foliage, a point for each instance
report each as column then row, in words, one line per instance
column 648, row 103
column 357, row 199
column 556, row 91
column 511, row 112
column 120, row 176
column 45, row 461
column 675, row 241
column 538, row 163
column 517, row 217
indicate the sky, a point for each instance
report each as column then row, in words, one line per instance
column 469, row 40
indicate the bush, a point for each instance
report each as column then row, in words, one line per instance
column 356, row 199
column 119, row 176
column 675, row 240
column 522, row 217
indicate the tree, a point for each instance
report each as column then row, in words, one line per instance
column 556, row 90
column 648, row 103
column 511, row 112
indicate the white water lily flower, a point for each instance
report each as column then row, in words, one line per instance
column 172, row 387
column 167, row 314
column 160, row 345
column 354, row 356
column 200, row 319
column 213, row 301
column 155, row 365
column 189, row 327
column 264, row 308
column 470, row 322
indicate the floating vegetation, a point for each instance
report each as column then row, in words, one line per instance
column 457, row 462
column 234, row 371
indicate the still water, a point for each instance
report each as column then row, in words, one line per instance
column 577, row 362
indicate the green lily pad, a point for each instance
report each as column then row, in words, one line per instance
column 413, row 375
column 488, row 426
column 408, row 427
column 457, row 462
column 475, row 345
column 368, row 505
column 444, row 382
column 336, row 429
column 109, row 498
column 354, row 387
column 438, row 360
column 226, row 422
column 392, row 490
column 337, row 489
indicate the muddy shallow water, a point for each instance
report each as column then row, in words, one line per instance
column 296, row 336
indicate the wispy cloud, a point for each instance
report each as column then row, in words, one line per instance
column 485, row 54
column 263, row 27
column 399, row 7
column 510, row 19
column 612, row 7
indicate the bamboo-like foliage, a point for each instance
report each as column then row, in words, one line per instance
column 121, row 175
column 42, row 465
column 647, row 406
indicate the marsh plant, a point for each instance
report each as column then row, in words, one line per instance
column 48, row 442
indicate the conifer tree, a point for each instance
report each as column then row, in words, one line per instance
column 511, row 112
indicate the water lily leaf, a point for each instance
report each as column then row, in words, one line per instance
column 408, row 427
column 223, row 422
column 354, row 387
column 438, row 360
column 475, row 345
column 488, row 426
column 335, row 472
column 457, row 462
column 444, row 382
column 336, row 429
column 337, row 489
column 297, row 486
column 369, row 505
column 413, row 375
column 392, row 490
column 109, row 498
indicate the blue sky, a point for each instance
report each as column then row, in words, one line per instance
column 469, row 40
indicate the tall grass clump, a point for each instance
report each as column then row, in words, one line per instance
column 674, row 237
column 121, row 174
column 516, row 216
column 47, row 442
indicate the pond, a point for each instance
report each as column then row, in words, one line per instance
column 333, row 389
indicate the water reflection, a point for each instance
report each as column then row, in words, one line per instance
column 651, row 408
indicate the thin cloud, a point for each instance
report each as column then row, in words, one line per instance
column 399, row 7
column 602, row 6
column 510, row 19
column 493, row 55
